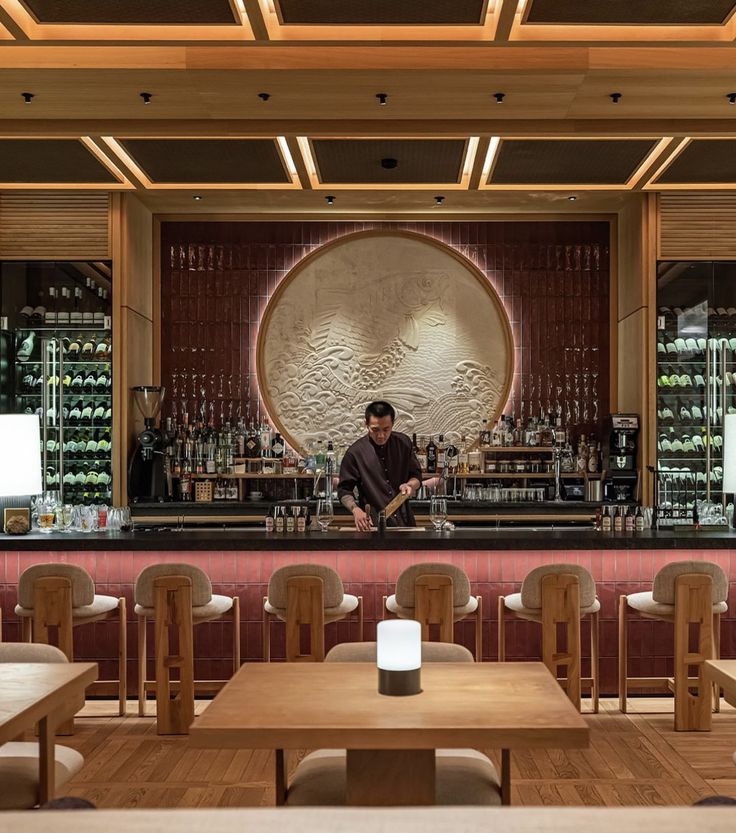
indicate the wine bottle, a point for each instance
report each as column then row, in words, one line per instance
column 431, row 456
column 277, row 446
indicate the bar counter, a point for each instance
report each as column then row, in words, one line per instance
column 495, row 560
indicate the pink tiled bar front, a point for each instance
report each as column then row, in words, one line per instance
column 373, row 575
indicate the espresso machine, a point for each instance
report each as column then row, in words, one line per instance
column 620, row 453
column 146, row 475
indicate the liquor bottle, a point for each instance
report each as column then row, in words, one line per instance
column 422, row 455
column 277, row 446
column 484, row 436
column 441, row 456
column 252, row 443
column 517, row 434
column 431, row 456
column 414, row 446
column 462, row 462
column 639, row 520
column 560, row 433
column 582, row 460
column 594, row 453
column 330, row 465
column 496, row 434
column 185, row 481
column 26, row 347
column 266, row 439
column 451, row 458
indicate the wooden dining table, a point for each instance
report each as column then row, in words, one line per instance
column 390, row 741
column 46, row 694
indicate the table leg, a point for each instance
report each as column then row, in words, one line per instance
column 390, row 777
column 280, row 778
column 46, row 761
column 506, row 777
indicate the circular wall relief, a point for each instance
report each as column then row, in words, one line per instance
column 384, row 315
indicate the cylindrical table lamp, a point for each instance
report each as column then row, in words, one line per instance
column 729, row 459
column 399, row 657
column 20, row 463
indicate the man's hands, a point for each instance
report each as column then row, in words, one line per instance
column 362, row 521
column 406, row 489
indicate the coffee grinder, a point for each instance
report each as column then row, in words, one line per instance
column 620, row 447
column 146, row 478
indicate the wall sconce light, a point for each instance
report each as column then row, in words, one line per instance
column 399, row 657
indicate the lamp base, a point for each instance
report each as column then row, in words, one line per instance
column 399, row 683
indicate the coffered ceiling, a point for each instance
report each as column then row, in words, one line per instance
column 384, row 106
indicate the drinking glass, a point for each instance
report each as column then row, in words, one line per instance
column 64, row 517
column 325, row 514
column 438, row 512
column 126, row 522
column 46, row 515
column 87, row 519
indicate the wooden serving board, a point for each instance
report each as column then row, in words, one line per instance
column 395, row 503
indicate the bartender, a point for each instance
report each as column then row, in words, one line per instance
column 379, row 466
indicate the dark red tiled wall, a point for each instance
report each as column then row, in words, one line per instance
column 553, row 279
column 373, row 575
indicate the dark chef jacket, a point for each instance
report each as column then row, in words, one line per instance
column 377, row 472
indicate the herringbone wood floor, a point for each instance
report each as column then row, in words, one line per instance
column 633, row 759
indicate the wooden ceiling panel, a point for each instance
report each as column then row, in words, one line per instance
column 569, row 162
column 173, row 12
column 381, row 12
column 630, row 12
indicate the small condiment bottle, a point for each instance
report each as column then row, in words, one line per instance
column 618, row 519
column 279, row 522
column 629, row 520
column 639, row 520
column 606, row 520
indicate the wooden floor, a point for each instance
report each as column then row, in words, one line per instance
column 633, row 759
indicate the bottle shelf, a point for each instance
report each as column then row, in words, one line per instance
column 513, row 449
column 68, row 361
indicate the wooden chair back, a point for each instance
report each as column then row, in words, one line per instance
column 173, row 617
column 305, row 609
column 693, row 624
column 52, row 610
column 433, row 599
column 561, row 611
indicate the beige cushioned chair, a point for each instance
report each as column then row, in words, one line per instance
column 19, row 760
column 63, row 596
column 309, row 595
column 183, row 594
column 420, row 593
column 552, row 595
column 463, row 776
column 687, row 594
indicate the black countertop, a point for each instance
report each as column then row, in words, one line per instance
column 461, row 539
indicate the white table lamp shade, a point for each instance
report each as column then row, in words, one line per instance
column 399, row 645
column 729, row 453
column 20, row 455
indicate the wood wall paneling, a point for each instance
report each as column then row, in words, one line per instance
column 553, row 278
column 697, row 226
column 54, row 225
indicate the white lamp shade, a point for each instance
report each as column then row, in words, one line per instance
column 20, row 455
column 729, row 453
column 399, row 645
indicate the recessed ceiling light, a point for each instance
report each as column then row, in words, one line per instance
column 615, row 97
column 330, row 199
column 382, row 98
column 499, row 97
column 146, row 97
column 572, row 198
column 438, row 200
column 388, row 163
column 264, row 96
column 197, row 197
column 27, row 97
column 731, row 98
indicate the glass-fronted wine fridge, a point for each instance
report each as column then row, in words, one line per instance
column 56, row 362
column 696, row 386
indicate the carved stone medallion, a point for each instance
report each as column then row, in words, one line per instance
column 384, row 315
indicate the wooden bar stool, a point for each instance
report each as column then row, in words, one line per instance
column 177, row 597
column 55, row 598
column 437, row 595
column 306, row 596
column 557, row 596
column 463, row 776
column 692, row 596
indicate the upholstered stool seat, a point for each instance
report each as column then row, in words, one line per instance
column 463, row 776
column 366, row 652
column 62, row 596
column 178, row 596
column 691, row 595
column 306, row 596
column 19, row 784
column 216, row 607
column 645, row 603
column 516, row 606
column 558, row 595
column 436, row 594
column 19, row 773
